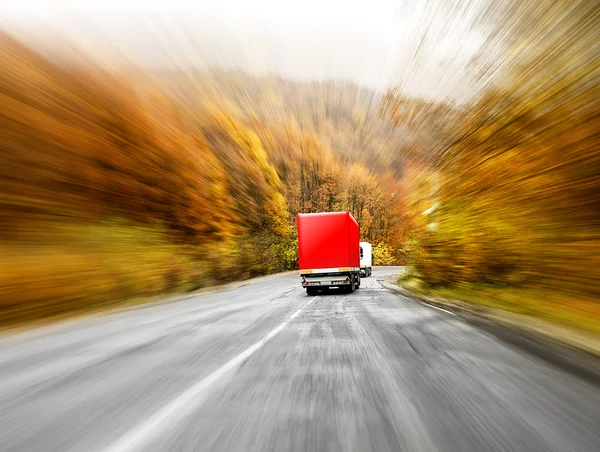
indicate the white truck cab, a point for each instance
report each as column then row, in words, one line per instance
column 366, row 259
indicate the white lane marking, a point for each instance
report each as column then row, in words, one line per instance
column 421, row 301
column 439, row 309
column 189, row 400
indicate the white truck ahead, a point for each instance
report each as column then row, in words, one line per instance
column 366, row 259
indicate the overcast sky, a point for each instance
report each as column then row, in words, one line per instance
column 423, row 45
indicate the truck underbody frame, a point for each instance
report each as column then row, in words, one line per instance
column 346, row 279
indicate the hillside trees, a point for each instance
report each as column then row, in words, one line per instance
column 315, row 180
column 519, row 166
column 188, row 193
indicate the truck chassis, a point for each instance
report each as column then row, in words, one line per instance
column 347, row 279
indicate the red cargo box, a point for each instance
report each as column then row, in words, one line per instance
column 328, row 240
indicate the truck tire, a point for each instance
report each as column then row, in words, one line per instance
column 352, row 285
column 311, row 291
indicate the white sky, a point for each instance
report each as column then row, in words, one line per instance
column 370, row 42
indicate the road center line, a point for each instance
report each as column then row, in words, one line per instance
column 189, row 400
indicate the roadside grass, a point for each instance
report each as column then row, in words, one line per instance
column 570, row 309
column 67, row 269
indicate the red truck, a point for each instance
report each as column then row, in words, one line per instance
column 328, row 251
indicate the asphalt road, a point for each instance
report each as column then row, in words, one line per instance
column 264, row 367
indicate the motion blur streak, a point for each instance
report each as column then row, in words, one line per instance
column 150, row 151
column 353, row 372
column 187, row 402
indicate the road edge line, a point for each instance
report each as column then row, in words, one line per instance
column 575, row 361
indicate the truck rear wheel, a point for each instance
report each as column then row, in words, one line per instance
column 311, row 291
column 352, row 286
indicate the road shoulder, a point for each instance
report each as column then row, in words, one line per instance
column 575, row 352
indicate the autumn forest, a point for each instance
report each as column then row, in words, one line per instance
column 132, row 184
